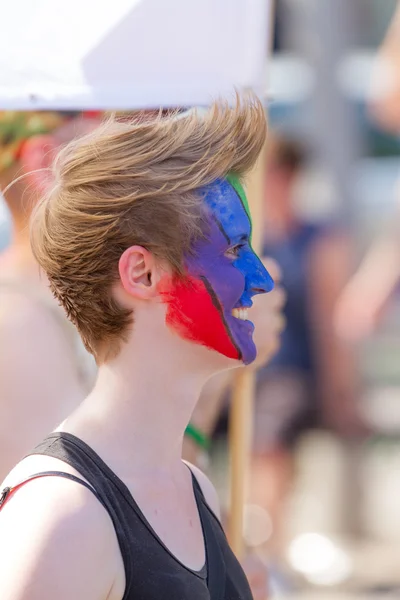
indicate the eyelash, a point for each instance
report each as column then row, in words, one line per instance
column 233, row 252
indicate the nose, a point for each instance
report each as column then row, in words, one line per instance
column 260, row 280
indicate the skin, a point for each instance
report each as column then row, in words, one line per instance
column 39, row 383
column 60, row 540
column 39, row 380
column 385, row 103
column 367, row 294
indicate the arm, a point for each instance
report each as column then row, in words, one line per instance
column 385, row 105
column 365, row 296
column 367, row 293
column 57, row 541
column 39, row 383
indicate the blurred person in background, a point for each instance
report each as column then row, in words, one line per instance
column 312, row 381
column 366, row 296
column 43, row 372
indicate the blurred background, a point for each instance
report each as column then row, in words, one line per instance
column 324, row 487
column 325, row 492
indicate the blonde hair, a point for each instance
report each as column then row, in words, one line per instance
column 134, row 183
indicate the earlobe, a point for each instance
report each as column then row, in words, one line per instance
column 136, row 270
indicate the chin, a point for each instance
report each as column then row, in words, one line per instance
column 213, row 360
column 223, row 362
column 249, row 357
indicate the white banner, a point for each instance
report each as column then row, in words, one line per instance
column 123, row 54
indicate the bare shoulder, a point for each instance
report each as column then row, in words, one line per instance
column 209, row 491
column 22, row 318
column 57, row 539
column 36, row 343
column 20, row 313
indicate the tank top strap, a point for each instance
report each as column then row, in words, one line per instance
column 8, row 490
column 151, row 570
column 118, row 501
column 106, row 486
column 196, row 486
column 216, row 567
column 201, row 499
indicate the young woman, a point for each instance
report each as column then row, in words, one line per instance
column 145, row 238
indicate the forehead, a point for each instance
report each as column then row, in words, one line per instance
column 227, row 203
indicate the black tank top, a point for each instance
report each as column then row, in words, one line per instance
column 151, row 571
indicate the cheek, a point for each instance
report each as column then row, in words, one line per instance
column 195, row 313
column 226, row 279
column 229, row 283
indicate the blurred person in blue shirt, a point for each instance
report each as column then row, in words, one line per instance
column 312, row 381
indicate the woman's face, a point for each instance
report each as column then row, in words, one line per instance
column 224, row 273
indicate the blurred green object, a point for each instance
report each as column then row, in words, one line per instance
column 200, row 438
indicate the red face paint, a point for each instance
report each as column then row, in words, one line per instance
column 195, row 314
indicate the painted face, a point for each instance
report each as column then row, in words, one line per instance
column 223, row 276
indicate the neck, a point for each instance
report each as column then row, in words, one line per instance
column 141, row 405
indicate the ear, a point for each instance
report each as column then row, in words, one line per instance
column 139, row 273
column 37, row 155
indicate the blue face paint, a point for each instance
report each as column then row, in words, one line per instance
column 225, row 274
column 230, row 214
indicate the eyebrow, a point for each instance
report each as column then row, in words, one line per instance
column 222, row 230
column 234, row 180
column 240, row 238
column 244, row 237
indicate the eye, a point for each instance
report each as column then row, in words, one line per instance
column 234, row 251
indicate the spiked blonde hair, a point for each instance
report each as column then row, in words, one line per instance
column 134, row 182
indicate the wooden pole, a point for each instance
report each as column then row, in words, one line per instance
column 241, row 413
column 239, row 442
